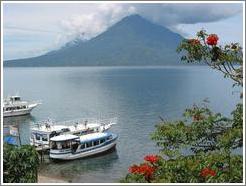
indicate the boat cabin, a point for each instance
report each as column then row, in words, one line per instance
column 43, row 135
column 42, row 138
column 72, row 143
column 15, row 98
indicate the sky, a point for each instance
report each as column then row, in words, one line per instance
column 32, row 29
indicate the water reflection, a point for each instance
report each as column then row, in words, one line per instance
column 18, row 120
column 22, row 123
column 70, row 170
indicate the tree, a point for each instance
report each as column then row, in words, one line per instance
column 208, row 137
column 20, row 164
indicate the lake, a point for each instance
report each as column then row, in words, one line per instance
column 137, row 96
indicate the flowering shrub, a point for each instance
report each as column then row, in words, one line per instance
column 199, row 168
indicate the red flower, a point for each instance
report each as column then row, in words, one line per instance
column 194, row 41
column 133, row 169
column 207, row 172
column 143, row 169
column 212, row 39
column 151, row 158
column 146, row 170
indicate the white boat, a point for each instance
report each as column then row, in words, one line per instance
column 14, row 106
column 42, row 132
column 70, row 147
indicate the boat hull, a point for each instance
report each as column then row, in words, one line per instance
column 72, row 156
column 19, row 112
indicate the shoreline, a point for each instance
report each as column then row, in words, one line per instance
column 50, row 179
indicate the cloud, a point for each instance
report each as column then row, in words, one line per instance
column 173, row 14
column 88, row 25
column 59, row 23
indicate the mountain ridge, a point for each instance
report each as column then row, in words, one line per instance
column 133, row 41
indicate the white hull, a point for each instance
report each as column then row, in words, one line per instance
column 72, row 156
column 20, row 112
column 17, row 112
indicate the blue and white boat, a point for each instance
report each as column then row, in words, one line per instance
column 42, row 132
column 69, row 147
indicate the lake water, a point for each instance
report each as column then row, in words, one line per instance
column 137, row 96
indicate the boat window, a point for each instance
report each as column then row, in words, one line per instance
column 76, row 134
column 59, row 145
column 53, row 145
column 89, row 144
column 38, row 136
column 65, row 130
column 45, row 138
column 66, row 144
column 96, row 142
column 102, row 140
column 74, row 146
column 82, row 146
column 17, row 98
column 109, row 137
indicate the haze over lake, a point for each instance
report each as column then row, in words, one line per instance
column 137, row 96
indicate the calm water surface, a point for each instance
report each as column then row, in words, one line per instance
column 137, row 96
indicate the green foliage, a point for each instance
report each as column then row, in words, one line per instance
column 200, row 131
column 20, row 164
column 207, row 138
column 134, row 178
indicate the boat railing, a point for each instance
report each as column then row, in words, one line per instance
column 49, row 122
column 9, row 102
column 88, row 121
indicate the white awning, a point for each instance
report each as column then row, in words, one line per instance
column 64, row 137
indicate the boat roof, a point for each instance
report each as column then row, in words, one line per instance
column 93, row 136
column 64, row 137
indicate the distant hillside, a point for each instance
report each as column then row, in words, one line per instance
column 132, row 41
